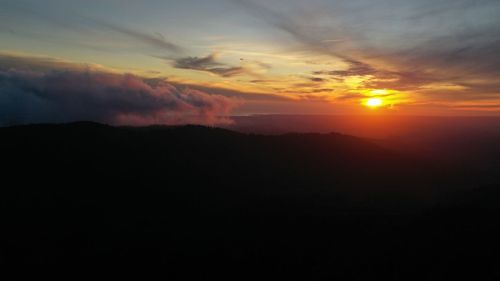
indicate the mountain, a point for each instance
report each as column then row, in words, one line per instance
column 206, row 203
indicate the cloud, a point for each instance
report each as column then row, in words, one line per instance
column 247, row 96
column 316, row 79
column 476, row 106
column 86, row 27
column 302, row 27
column 401, row 45
column 356, row 68
column 209, row 64
column 82, row 93
column 155, row 39
column 354, row 96
column 359, row 96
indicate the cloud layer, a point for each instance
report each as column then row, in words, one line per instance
column 51, row 93
column 440, row 50
column 331, row 53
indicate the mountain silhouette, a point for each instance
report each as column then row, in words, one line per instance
column 193, row 202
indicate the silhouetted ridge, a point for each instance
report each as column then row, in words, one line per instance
column 80, row 124
column 188, row 199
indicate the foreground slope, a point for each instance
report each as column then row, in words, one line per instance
column 206, row 203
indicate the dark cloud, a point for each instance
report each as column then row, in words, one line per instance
column 263, row 81
column 458, row 95
column 401, row 80
column 208, row 64
column 64, row 95
column 356, row 68
column 382, row 79
column 379, row 78
column 304, row 91
column 322, row 90
column 355, row 96
column 485, row 87
column 358, row 96
column 317, row 79
column 304, row 85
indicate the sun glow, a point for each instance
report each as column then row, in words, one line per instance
column 374, row 102
column 379, row 92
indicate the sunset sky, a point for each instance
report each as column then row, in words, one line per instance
column 166, row 61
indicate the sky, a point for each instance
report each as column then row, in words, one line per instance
column 196, row 61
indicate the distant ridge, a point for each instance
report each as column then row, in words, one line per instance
column 172, row 199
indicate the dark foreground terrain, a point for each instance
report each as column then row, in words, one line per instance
column 198, row 203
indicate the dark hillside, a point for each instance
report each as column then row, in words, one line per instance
column 207, row 203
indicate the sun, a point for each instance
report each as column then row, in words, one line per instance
column 374, row 102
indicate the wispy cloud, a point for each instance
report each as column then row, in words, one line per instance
column 427, row 43
column 208, row 64
column 355, row 68
column 86, row 26
column 319, row 38
column 153, row 39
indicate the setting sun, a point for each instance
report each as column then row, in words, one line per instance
column 374, row 102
